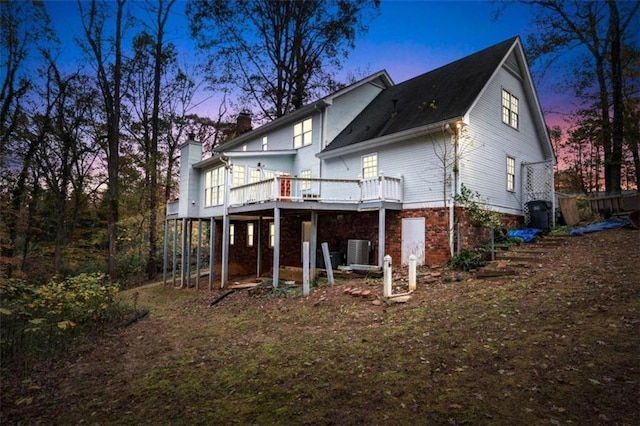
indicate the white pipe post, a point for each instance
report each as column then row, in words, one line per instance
column 412, row 272
column 386, row 289
column 305, row 269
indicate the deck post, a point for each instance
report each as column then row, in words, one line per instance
column 212, row 250
column 313, row 244
column 381, row 235
column 184, row 251
column 165, row 246
column 259, row 254
column 276, row 246
column 175, row 252
column 224, row 269
column 199, row 254
column 189, row 238
column 305, row 269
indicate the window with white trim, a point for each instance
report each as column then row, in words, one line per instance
column 250, row 234
column 511, row 174
column 509, row 109
column 232, row 234
column 238, row 175
column 305, row 184
column 272, row 234
column 265, row 143
column 214, row 187
column 370, row 165
column 302, row 133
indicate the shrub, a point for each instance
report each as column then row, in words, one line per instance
column 38, row 320
column 467, row 259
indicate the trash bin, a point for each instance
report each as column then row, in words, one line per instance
column 539, row 213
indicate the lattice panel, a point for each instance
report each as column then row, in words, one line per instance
column 537, row 184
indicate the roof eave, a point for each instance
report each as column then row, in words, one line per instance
column 387, row 139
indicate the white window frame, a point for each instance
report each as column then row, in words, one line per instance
column 250, row 234
column 265, row 143
column 511, row 174
column 510, row 109
column 303, row 133
column 232, row 234
column 369, row 167
column 305, row 184
column 272, row 234
column 214, row 187
column 238, row 175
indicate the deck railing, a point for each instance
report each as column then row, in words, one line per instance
column 288, row 188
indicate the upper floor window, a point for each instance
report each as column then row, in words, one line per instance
column 370, row 166
column 509, row 109
column 305, row 184
column 238, row 175
column 511, row 174
column 302, row 133
column 265, row 143
column 232, row 234
column 214, row 187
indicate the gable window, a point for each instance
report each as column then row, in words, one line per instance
column 250, row 234
column 302, row 133
column 232, row 234
column 370, row 166
column 272, row 234
column 305, row 184
column 214, row 187
column 511, row 174
column 238, row 175
column 509, row 109
column 265, row 143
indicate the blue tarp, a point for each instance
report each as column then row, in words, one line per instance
column 613, row 223
column 527, row 235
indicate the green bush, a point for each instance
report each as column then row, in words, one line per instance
column 38, row 320
column 467, row 259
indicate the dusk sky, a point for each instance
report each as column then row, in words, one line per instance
column 408, row 38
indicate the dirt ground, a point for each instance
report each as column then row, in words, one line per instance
column 557, row 343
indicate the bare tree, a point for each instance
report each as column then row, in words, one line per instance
column 109, row 81
column 278, row 53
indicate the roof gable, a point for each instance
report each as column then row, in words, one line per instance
column 446, row 93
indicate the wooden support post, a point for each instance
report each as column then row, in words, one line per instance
column 165, row 255
column 199, row 254
column 189, row 238
column 412, row 273
column 276, row 247
column 175, row 252
column 305, row 269
column 386, row 289
column 327, row 262
column 212, row 250
column 183, row 254
column 259, row 253
column 313, row 244
column 224, row 269
column 381, row 235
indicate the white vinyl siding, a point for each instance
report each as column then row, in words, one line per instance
column 303, row 133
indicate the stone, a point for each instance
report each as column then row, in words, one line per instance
column 430, row 280
column 365, row 293
column 377, row 302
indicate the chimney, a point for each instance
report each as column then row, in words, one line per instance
column 243, row 122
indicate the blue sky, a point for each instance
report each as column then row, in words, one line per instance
column 408, row 38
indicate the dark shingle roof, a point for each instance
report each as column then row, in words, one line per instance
column 442, row 94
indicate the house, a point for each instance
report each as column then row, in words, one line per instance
column 372, row 169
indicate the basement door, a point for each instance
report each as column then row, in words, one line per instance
column 413, row 231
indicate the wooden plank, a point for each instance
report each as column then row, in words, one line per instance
column 327, row 262
column 569, row 208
